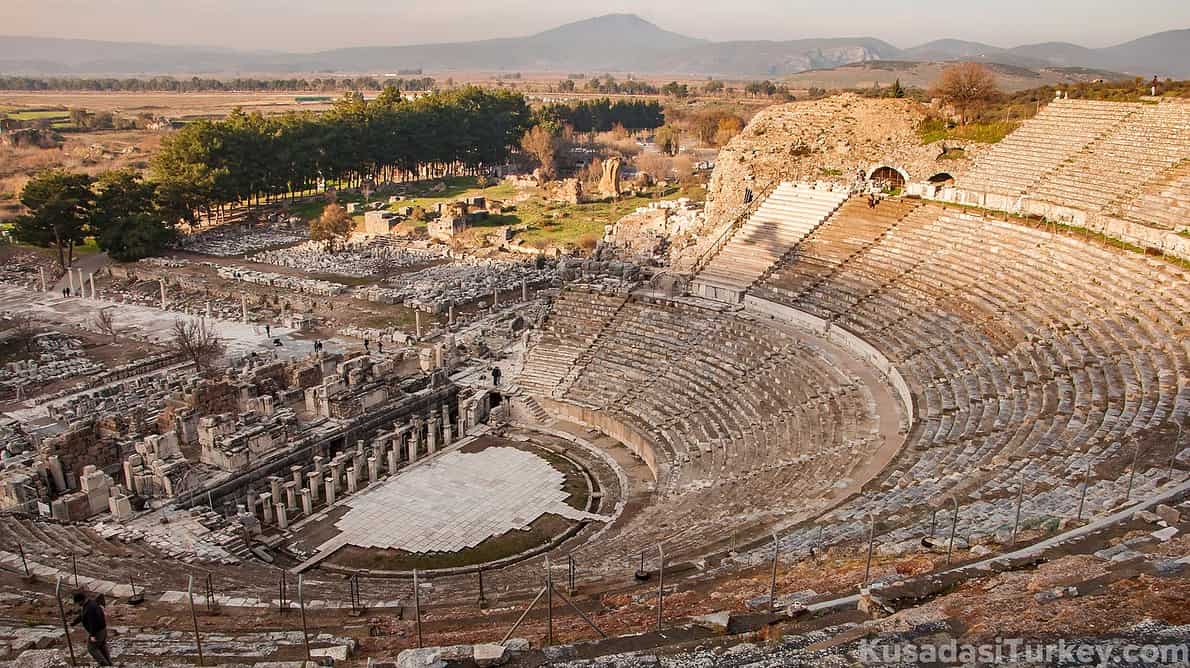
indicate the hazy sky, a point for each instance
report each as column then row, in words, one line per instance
column 308, row 25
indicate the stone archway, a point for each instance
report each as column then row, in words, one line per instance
column 942, row 179
column 891, row 177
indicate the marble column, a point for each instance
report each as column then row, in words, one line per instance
column 296, row 471
column 266, row 502
column 315, row 482
column 282, row 517
column 162, row 282
column 373, row 470
column 393, row 461
column 275, row 486
column 92, row 279
column 307, row 502
column 432, row 434
column 330, row 491
column 291, row 495
column 352, row 483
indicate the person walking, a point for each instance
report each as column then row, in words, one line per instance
column 94, row 621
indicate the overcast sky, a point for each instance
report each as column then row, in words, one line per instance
column 308, row 25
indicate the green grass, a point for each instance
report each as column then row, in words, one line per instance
column 34, row 114
column 459, row 187
column 935, row 129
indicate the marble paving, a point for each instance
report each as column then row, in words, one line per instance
column 456, row 502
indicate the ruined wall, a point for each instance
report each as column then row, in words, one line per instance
column 825, row 140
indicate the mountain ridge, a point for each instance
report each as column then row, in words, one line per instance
column 612, row 42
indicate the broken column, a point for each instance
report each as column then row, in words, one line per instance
column 266, row 503
column 315, row 482
column 296, row 471
column 417, row 323
column 291, row 495
column 432, row 434
column 282, row 517
column 41, row 272
column 373, row 470
column 91, row 277
column 394, row 457
column 330, row 491
column 244, row 307
column 352, row 483
column 162, row 282
column 307, row 503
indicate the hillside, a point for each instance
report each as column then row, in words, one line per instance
column 614, row 42
column 923, row 74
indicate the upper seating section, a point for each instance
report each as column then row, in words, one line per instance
column 1164, row 202
column 1043, row 143
column 790, row 213
column 1138, row 150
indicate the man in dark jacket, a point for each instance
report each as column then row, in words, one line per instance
column 95, row 622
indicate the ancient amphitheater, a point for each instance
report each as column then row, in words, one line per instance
column 956, row 410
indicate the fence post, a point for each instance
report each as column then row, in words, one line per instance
column 871, row 543
column 302, row 611
column 483, row 601
column 570, row 568
column 1082, row 499
column 773, row 577
column 1016, row 522
column 282, row 604
column 74, row 568
column 549, row 604
column 24, row 562
column 660, row 586
column 194, row 617
column 1132, row 471
column 65, row 625
column 417, row 607
column 1173, row 456
column 954, row 523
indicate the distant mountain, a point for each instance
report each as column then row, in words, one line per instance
column 1165, row 53
column 612, row 43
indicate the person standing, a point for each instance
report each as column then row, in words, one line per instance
column 94, row 621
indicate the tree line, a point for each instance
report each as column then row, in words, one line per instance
column 247, row 158
column 127, row 215
column 197, row 84
column 603, row 115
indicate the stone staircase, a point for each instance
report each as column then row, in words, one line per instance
column 789, row 214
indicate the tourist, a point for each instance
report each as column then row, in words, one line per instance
column 380, row 347
column 93, row 619
column 1153, row 88
column 496, row 375
column 871, row 200
column 268, row 330
column 367, row 345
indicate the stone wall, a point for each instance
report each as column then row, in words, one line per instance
column 832, row 139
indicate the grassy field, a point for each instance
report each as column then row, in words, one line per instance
column 935, row 129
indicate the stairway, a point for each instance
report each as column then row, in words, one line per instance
column 789, row 214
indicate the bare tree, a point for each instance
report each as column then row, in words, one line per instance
column 105, row 323
column 543, row 146
column 967, row 87
column 198, row 341
column 334, row 223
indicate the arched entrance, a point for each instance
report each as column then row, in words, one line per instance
column 942, row 179
column 888, row 178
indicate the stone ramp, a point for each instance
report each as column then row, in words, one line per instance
column 789, row 214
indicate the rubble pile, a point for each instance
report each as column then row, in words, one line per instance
column 462, row 282
column 359, row 259
column 232, row 240
column 306, row 286
column 645, row 234
column 22, row 267
column 58, row 357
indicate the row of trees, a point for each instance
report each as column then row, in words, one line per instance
column 197, row 84
column 127, row 216
column 603, row 115
column 245, row 158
